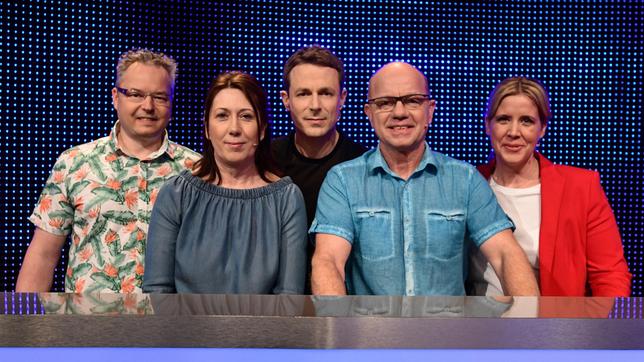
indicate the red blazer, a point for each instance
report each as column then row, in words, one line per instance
column 580, row 249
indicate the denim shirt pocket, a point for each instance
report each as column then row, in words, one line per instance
column 375, row 233
column 445, row 233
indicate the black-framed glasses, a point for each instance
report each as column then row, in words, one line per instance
column 136, row 96
column 409, row 101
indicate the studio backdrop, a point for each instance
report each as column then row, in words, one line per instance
column 58, row 58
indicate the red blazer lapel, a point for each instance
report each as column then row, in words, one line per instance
column 552, row 188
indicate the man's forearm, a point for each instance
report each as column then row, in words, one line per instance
column 326, row 279
column 37, row 272
column 517, row 276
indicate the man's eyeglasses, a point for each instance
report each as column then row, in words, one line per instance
column 410, row 101
column 136, row 96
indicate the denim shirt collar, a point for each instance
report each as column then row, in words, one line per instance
column 376, row 161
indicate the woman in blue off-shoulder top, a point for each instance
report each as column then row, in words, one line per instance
column 230, row 225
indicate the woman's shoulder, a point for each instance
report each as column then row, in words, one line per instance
column 573, row 179
column 190, row 188
column 565, row 171
column 286, row 188
column 575, row 173
column 282, row 184
column 181, row 180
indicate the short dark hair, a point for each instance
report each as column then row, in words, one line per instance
column 207, row 167
column 315, row 55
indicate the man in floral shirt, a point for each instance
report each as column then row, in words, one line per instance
column 102, row 192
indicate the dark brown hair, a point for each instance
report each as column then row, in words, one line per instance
column 315, row 55
column 206, row 167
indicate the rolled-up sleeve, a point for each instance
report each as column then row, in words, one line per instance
column 485, row 217
column 333, row 214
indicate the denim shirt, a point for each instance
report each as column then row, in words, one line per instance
column 408, row 237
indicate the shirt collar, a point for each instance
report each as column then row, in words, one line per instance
column 166, row 147
column 376, row 161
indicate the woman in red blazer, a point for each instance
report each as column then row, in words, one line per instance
column 562, row 217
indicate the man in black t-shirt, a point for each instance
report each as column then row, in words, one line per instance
column 314, row 95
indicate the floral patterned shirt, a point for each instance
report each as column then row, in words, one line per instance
column 96, row 303
column 104, row 198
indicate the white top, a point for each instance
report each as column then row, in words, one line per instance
column 523, row 206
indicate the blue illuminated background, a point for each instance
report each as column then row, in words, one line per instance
column 57, row 61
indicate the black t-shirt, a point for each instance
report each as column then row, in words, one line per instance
column 309, row 173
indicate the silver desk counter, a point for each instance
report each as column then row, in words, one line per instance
column 264, row 321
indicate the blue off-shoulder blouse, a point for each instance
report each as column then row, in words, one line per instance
column 204, row 238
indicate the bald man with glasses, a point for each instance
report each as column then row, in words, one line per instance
column 101, row 193
column 398, row 219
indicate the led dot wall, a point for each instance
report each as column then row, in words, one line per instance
column 57, row 61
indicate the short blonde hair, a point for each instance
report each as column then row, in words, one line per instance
column 146, row 56
column 530, row 88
